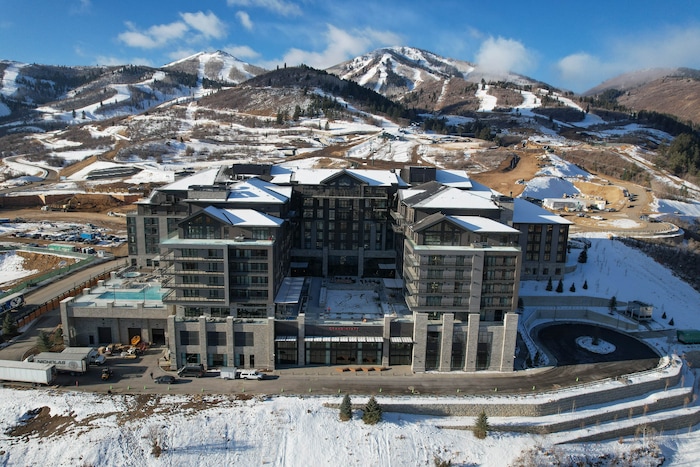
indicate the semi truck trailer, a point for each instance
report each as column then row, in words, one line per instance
column 27, row 372
column 75, row 364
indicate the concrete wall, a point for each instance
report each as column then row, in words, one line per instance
column 560, row 402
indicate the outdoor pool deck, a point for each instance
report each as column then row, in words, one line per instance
column 353, row 300
column 122, row 292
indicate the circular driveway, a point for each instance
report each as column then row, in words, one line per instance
column 560, row 342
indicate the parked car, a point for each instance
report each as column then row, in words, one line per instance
column 166, row 379
column 250, row 374
column 191, row 370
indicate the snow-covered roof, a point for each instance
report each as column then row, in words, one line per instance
column 281, row 175
column 205, row 177
column 255, row 190
column 244, row 217
column 526, row 212
column 445, row 198
column 305, row 176
column 454, row 178
column 482, row 224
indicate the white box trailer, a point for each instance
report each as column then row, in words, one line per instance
column 27, row 372
column 70, row 363
column 229, row 372
column 93, row 356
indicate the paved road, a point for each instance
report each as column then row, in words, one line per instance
column 133, row 376
column 48, row 322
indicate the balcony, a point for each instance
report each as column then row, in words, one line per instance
column 196, row 286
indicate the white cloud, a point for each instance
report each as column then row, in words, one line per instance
column 581, row 71
column 671, row 47
column 244, row 19
column 116, row 61
column 277, row 6
column 208, row 24
column 155, row 36
column 82, row 6
column 241, row 51
column 502, row 55
column 340, row 45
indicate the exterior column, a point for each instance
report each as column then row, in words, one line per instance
column 172, row 342
column 203, row 340
column 420, row 341
column 510, row 335
column 360, row 262
column 386, row 346
column 270, row 353
column 325, row 261
column 472, row 341
column 230, row 344
column 301, row 345
column 448, row 323
column 67, row 326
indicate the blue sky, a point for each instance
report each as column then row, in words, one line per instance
column 572, row 45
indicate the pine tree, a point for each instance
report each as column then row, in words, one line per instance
column 372, row 413
column 583, row 256
column 346, row 409
column 44, row 342
column 671, row 323
column 549, row 285
column 585, row 285
column 663, row 316
column 481, row 427
column 560, row 286
column 572, row 288
column 9, row 326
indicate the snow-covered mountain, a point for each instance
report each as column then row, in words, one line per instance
column 44, row 97
column 421, row 78
column 216, row 66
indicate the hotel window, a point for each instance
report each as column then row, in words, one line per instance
column 189, row 338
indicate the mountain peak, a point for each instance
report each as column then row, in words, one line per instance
column 217, row 66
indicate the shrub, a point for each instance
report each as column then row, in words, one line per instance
column 439, row 462
column 346, row 409
column 372, row 413
column 549, row 285
column 481, row 427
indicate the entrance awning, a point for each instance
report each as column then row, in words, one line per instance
column 393, row 283
column 286, row 339
column 402, row 340
column 344, row 339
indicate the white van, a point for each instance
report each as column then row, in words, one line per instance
column 250, row 374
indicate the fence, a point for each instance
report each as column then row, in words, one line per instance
column 54, row 303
